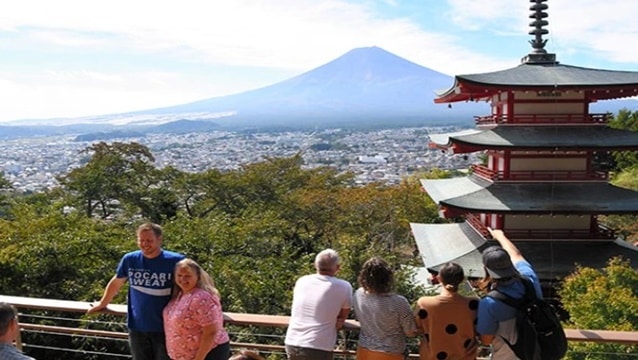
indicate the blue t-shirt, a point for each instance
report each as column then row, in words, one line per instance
column 150, row 285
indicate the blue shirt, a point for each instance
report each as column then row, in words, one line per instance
column 10, row 352
column 492, row 311
column 150, row 285
column 498, row 319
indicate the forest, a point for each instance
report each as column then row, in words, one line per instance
column 256, row 230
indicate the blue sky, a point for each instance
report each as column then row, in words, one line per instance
column 72, row 58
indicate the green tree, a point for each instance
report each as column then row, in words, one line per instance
column 605, row 299
column 5, row 188
column 49, row 253
column 119, row 176
column 626, row 120
column 625, row 225
column 155, row 197
column 4, row 183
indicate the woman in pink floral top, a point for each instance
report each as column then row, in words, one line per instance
column 193, row 319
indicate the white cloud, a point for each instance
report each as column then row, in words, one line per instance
column 87, row 93
column 606, row 30
column 296, row 34
column 288, row 36
column 478, row 15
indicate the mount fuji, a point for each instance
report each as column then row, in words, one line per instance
column 365, row 87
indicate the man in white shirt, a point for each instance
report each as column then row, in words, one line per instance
column 320, row 305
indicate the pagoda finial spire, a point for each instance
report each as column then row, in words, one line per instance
column 538, row 55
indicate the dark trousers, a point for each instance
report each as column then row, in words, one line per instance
column 219, row 352
column 147, row 345
column 301, row 353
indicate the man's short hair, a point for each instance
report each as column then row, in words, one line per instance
column 7, row 313
column 156, row 229
column 327, row 260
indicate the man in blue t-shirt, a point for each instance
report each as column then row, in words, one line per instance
column 149, row 272
column 496, row 321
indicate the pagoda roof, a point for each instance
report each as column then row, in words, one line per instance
column 539, row 138
column 597, row 83
column 441, row 243
column 472, row 194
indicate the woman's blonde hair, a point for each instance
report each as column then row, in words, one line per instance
column 204, row 281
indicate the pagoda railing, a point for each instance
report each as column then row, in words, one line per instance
column 477, row 224
column 602, row 232
column 538, row 175
column 543, row 119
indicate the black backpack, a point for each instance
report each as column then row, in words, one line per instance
column 540, row 333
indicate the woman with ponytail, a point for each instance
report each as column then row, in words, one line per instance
column 447, row 320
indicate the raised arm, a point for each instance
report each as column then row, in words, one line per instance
column 507, row 244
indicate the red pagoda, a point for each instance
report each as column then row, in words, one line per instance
column 542, row 181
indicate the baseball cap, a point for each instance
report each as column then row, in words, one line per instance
column 498, row 263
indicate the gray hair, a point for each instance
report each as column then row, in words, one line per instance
column 327, row 260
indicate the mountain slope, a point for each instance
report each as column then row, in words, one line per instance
column 365, row 83
column 364, row 87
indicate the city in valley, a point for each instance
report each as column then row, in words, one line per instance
column 32, row 164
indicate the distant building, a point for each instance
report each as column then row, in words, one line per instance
column 372, row 160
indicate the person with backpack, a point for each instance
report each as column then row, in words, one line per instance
column 506, row 271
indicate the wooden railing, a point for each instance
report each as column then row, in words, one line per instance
column 538, row 175
column 543, row 119
column 603, row 232
column 240, row 319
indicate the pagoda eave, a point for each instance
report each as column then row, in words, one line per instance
column 449, row 211
column 544, row 138
column 472, row 194
column 595, row 83
column 467, row 91
column 461, row 147
column 455, row 148
column 551, row 259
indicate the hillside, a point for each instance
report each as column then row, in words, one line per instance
column 365, row 84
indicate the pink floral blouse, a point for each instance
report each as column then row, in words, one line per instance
column 184, row 319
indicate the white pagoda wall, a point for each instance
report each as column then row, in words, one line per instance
column 549, row 164
column 552, row 108
column 547, row 106
column 550, row 222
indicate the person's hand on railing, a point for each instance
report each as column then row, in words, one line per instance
column 97, row 307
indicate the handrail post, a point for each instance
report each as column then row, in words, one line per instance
column 18, row 336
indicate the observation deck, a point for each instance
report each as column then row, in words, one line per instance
column 42, row 321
